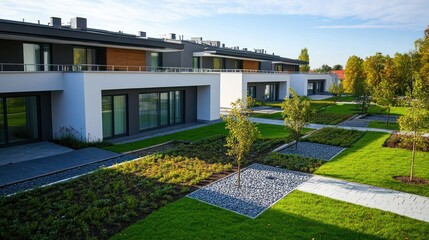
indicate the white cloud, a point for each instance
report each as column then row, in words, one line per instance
column 152, row 16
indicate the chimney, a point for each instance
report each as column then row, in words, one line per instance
column 223, row 45
column 55, row 22
column 172, row 36
column 142, row 34
column 78, row 23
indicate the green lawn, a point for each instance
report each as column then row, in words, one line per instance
column 276, row 116
column 297, row 216
column 341, row 99
column 382, row 125
column 267, row 131
column 367, row 161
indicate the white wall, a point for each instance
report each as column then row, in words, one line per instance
column 30, row 81
column 299, row 82
column 282, row 79
column 79, row 105
column 231, row 88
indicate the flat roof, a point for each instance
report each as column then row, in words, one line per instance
column 10, row 29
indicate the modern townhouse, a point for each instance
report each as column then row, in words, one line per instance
column 107, row 84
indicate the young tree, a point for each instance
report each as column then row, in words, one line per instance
column 416, row 120
column 385, row 96
column 296, row 114
column 336, row 90
column 304, row 57
column 354, row 81
column 373, row 67
column 242, row 133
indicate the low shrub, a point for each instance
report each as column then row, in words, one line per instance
column 335, row 136
column 405, row 141
column 293, row 162
column 70, row 137
column 328, row 118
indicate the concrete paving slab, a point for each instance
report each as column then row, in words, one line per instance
column 20, row 171
column 30, row 151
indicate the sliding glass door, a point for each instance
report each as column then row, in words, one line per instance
column 19, row 119
column 114, row 115
column 161, row 109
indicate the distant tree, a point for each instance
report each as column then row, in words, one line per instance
column 242, row 133
column 416, row 120
column 385, row 96
column 337, row 67
column 423, row 55
column 336, row 90
column 354, row 81
column 325, row 68
column 303, row 56
column 296, row 114
column 373, row 66
column 404, row 72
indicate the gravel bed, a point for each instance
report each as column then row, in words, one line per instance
column 261, row 187
column 313, row 150
column 355, row 123
column 37, row 182
column 381, row 118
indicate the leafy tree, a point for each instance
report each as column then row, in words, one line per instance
column 323, row 69
column 337, row 67
column 242, row 133
column 296, row 112
column 304, row 57
column 404, row 72
column 423, row 54
column 354, row 81
column 336, row 90
column 374, row 66
column 251, row 102
column 385, row 96
column 416, row 120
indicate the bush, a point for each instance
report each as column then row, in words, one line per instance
column 404, row 141
column 293, row 162
column 328, row 118
column 335, row 136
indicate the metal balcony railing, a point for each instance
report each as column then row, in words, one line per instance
column 19, row 67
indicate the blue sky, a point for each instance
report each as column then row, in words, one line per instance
column 331, row 30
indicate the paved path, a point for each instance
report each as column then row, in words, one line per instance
column 20, row 171
column 319, row 126
column 30, row 151
column 405, row 204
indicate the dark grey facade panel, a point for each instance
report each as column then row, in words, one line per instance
column 11, row 52
column 64, row 33
column 133, row 104
column 265, row 65
column 62, row 54
column 207, row 62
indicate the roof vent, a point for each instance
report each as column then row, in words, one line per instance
column 223, row 45
column 55, row 22
column 244, row 49
column 259, row 51
column 172, row 36
column 78, row 23
column 141, row 34
column 197, row 39
column 212, row 43
column 236, row 48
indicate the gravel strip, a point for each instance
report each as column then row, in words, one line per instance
column 37, row 182
column 313, row 150
column 355, row 123
column 381, row 118
column 261, row 187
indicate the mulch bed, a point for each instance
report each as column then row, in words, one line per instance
column 416, row 180
column 403, row 141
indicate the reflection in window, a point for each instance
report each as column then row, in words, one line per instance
column 218, row 63
column 82, row 57
column 114, row 115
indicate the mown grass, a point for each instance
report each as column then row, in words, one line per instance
column 383, row 125
column 367, row 161
column 297, row 216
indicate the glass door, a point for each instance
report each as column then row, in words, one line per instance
column 163, row 108
column 114, row 115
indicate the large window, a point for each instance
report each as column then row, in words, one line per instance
column 271, row 92
column 155, row 61
column 251, row 91
column 161, row 109
column 37, row 57
column 114, row 114
column 218, row 63
column 19, row 119
column 196, row 62
column 84, row 57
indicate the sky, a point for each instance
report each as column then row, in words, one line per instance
column 332, row 31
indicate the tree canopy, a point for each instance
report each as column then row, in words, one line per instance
column 303, row 56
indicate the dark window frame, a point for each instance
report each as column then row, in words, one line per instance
column 113, row 115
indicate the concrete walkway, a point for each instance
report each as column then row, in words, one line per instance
column 30, row 151
column 319, row 126
column 405, row 204
column 20, row 171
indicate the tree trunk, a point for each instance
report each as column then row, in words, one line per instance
column 238, row 175
column 388, row 115
column 413, row 156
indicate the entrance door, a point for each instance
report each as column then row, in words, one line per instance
column 19, row 120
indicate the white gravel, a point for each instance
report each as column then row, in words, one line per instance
column 313, row 150
column 261, row 187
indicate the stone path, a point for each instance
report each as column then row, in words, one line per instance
column 405, row 204
column 319, row 126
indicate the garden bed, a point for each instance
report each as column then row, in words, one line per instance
column 397, row 140
column 334, row 136
column 313, row 150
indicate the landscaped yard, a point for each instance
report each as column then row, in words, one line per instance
column 367, row 161
column 383, row 125
column 298, row 216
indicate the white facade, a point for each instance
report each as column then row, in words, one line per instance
column 233, row 86
column 299, row 82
